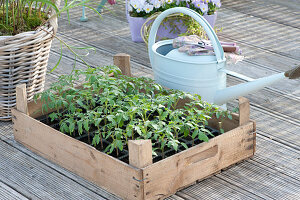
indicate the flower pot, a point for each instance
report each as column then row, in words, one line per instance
column 24, row 59
column 211, row 19
column 164, row 31
column 135, row 24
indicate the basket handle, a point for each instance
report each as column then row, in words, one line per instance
column 53, row 20
column 209, row 30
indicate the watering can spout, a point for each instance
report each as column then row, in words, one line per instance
column 233, row 92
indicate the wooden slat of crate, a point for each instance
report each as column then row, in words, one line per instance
column 111, row 174
column 171, row 174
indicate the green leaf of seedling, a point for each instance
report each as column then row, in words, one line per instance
column 69, row 98
column 111, row 148
column 96, row 140
column 155, row 126
column 195, row 133
column 221, row 130
column 79, row 124
column 71, row 127
column 107, row 148
column 138, row 130
column 218, row 115
column 44, row 108
column 53, row 116
column 64, row 128
column 174, row 144
column 97, row 121
column 93, row 102
column 80, row 103
column 154, row 153
column 111, row 118
column 235, row 110
column 119, row 144
column 229, row 116
column 66, row 104
column 72, row 108
column 203, row 137
column 86, row 125
column 164, row 115
column 186, row 131
column 184, row 145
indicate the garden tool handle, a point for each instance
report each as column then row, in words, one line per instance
column 209, row 30
column 293, row 73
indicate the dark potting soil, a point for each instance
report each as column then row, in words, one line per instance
column 123, row 155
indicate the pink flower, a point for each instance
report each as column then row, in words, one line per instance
column 112, row 2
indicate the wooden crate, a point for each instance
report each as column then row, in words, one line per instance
column 140, row 179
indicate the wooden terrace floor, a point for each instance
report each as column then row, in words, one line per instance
column 268, row 32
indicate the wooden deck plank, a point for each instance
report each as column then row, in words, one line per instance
column 5, row 129
column 263, row 59
column 39, row 180
column 270, row 154
column 262, row 181
column 174, row 197
column 69, row 175
column 9, row 193
column 216, row 188
column 268, row 10
column 276, row 126
column 260, row 33
column 273, row 101
column 277, row 156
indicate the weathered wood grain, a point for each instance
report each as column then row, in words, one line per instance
column 261, row 180
column 66, row 174
column 261, row 60
column 272, row 100
column 7, row 192
column 21, row 98
column 21, row 172
column 181, row 169
column 269, row 10
column 78, row 157
column 216, row 188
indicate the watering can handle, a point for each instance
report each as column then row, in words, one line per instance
column 209, row 30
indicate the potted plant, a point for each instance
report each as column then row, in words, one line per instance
column 108, row 111
column 158, row 140
column 139, row 12
column 26, row 33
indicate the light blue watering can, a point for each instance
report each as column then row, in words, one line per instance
column 204, row 75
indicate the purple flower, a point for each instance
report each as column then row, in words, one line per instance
column 216, row 2
column 203, row 7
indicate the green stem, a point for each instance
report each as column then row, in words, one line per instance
column 6, row 6
column 89, row 139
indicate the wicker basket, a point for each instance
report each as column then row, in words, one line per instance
column 24, row 59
